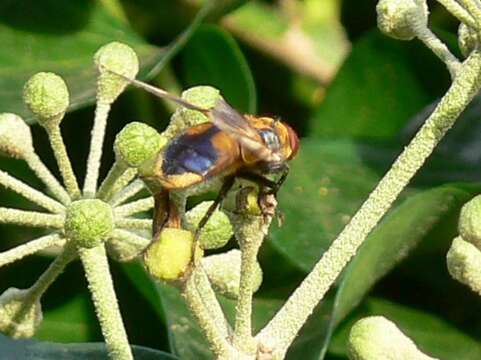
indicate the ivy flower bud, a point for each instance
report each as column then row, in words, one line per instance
column 19, row 316
column 137, row 143
column 119, row 58
column 89, row 222
column 47, row 96
column 464, row 263
column 203, row 96
column 467, row 39
column 470, row 222
column 224, row 271
column 15, row 136
column 168, row 257
column 377, row 338
column 218, row 230
column 398, row 18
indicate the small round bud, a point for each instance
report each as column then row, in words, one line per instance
column 397, row 18
column 89, row 222
column 169, row 256
column 120, row 59
column 19, row 316
column 467, row 39
column 470, row 221
column 137, row 143
column 203, row 96
column 218, row 230
column 15, row 136
column 464, row 263
column 46, row 95
column 224, row 270
column 377, row 338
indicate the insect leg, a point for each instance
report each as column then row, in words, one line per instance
column 166, row 213
column 264, row 182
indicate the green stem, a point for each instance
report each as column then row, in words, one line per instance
column 29, row 193
column 117, row 170
column 132, row 223
column 63, row 161
column 282, row 329
column 30, row 218
column 459, row 12
column 30, row 248
column 44, row 174
column 95, row 154
column 473, row 8
column 132, row 189
column 101, row 287
column 135, row 207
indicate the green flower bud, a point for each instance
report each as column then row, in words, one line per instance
column 169, row 256
column 218, row 230
column 15, row 136
column 46, row 95
column 202, row 96
column 464, row 263
column 397, row 18
column 377, row 338
column 224, row 270
column 120, row 59
column 19, row 316
column 467, row 39
column 137, row 143
column 89, row 222
column 470, row 222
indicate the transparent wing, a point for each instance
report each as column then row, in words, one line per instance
column 235, row 124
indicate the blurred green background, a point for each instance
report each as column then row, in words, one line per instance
column 354, row 95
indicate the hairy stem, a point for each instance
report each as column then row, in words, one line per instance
column 44, row 174
column 459, row 12
column 131, row 190
column 29, row 193
column 114, row 174
column 135, row 207
column 30, row 218
column 132, row 223
column 95, row 154
column 473, row 8
column 101, row 287
column 63, row 161
column 30, row 248
column 282, row 329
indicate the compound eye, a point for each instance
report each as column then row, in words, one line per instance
column 271, row 139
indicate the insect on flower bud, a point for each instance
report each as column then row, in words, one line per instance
column 397, row 18
column 169, row 256
column 15, row 136
column 377, row 338
column 119, row 58
column 464, row 262
column 203, row 96
column 218, row 230
column 19, row 317
column 47, row 96
column 224, row 270
column 243, row 202
column 470, row 222
column 137, row 143
column 467, row 39
column 89, row 222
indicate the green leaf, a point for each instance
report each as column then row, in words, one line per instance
column 62, row 37
column 378, row 88
column 212, row 57
column 39, row 350
column 432, row 334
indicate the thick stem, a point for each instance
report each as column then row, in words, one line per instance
column 282, row 329
column 473, row 8
column 135, row 207
column 101, row 287
column 44, row 174
column 30, row 248
column 29, row 193
column 216, row 337
column 63, row 161
column 96, row 143
column 250, row 234
column 30, row 218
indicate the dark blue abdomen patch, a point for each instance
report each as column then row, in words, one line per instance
column 190, row 153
